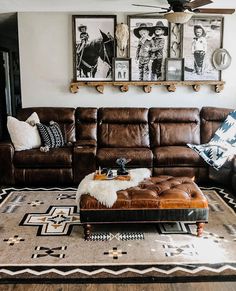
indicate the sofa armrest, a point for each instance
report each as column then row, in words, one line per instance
column 6, row 166
column 84, row 161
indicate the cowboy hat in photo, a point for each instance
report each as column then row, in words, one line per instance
column 82, row 27
column 197, row 26
column 160, row 25
column 142, row 26
column 221, row 59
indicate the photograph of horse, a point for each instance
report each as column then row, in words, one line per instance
column 94, row 47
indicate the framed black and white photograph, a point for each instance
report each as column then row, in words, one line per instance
column 148, row 47
column 174, row 69
column 201, row 37
column 121, row 69
column 93, row 47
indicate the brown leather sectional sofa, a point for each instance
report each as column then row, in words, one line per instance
column 153, row 138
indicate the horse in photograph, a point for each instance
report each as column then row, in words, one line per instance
column 87, row 58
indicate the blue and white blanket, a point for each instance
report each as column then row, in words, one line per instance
column 222, row 146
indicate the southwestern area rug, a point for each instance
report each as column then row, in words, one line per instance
column 41, row 241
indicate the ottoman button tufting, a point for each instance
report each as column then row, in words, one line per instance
column 158, row 199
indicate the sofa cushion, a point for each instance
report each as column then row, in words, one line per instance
column 211, row 120
column 176, row 156
column 140, row 157
column 55, row 158
column 123, row 127
column 174, row 126
column 64, row 116
column 24, row 135
column 51, row 135
column 124, row 135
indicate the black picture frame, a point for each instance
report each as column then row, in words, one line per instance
column 174, row 69
column 94, row 47
column 121, row 69
column 136, row 70
column 197, row 66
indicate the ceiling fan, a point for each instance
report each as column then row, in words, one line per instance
column 180, row 9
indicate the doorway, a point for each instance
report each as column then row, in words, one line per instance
column 10, row 92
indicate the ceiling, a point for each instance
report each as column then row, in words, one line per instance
column 95, row 5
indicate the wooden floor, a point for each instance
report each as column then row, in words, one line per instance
column 203, row 286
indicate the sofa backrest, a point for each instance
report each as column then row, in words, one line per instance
column 174, row 126
column 211, row 119
column 64, row 116
column 123, row 127
column 86, row 123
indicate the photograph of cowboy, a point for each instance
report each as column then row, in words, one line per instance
column 148, row 48
column 201, row 37
column 158, row 43
column 94, row 47
column 199, row 48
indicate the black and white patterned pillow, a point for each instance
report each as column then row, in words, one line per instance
column 51, row 135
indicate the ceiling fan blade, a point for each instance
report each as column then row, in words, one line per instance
column 197, row 3
column 148, row 13
column 215, row 10
column 151, row 6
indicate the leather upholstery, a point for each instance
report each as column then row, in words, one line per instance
column 174, row 126
column 170, row 130
column 6, row 163
column 123, row 127
column 84, row 162
column 176, row 156
column 55, row 158
column 163, row 192
column 65, row 117
column 85, row 148
column 196, row 173
column 140, row 157
column 45, row 177
column 86, row 124
column 154, row 138
column 33, row 167
column 211, row 119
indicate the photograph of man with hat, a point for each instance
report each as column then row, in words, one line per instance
column 143, row 52
column 199, row 48
column 157, row 49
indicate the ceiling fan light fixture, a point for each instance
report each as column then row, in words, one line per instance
column 178, row 17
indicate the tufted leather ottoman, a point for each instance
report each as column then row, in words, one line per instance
column 158, row 199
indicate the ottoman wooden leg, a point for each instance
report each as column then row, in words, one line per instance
column 87, row 231
column 200, row 226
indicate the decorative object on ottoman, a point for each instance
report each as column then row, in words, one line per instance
column 158, row 199
column 109, row 174
column 121, row 162
column 103, row 174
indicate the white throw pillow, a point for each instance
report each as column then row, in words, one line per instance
column 23, row 135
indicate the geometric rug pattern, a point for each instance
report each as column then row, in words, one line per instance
column 57, row 220
column 41, row 238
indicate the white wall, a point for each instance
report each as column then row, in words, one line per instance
column 45, row 41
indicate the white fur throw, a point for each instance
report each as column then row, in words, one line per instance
column 105, row 191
